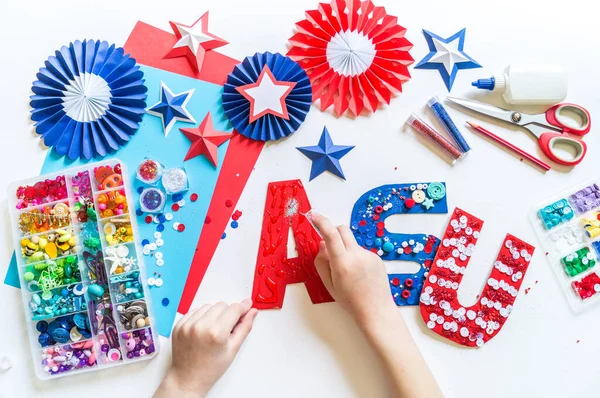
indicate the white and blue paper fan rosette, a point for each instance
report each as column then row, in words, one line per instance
column 88, row 100
column 271, row 125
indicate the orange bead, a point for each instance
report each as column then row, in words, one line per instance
column 119, row 199
column 107, row 213
column 102, row 198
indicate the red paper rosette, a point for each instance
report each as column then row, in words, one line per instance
column 354, row 53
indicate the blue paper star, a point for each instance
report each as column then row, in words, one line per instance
column 172, row 108
column 325, row 156
column 447, row 56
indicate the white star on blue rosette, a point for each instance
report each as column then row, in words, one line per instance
column 172, row 108
column 88, row 100
column 447, row 56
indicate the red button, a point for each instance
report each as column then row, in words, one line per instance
column 409, row 203
column 408, row 282
column 407, row 250
column 181, row 227
column 175, row 207
column 380, row 233
column 380, row 225
column 405, row 294
column 194, row 197
column 378, row 209
column 148, row 219
column 374, row 250
column 228, row 203
column 362, row 223
column 375, row 217
column 396, row 282
column 207, row 220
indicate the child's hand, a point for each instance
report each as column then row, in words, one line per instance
column 355, row 277
column 205, row 342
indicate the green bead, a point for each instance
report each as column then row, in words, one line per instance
column 28, row 276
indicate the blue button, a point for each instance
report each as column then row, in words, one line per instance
column 234, row 224
column 165, row 302
column 139, row 212
column 161, row 218
column 80, row 320
column 160, row 227
column 224, row 235
column 61, row 335
column 145, row 242
column 140, row 189
column 42, row 326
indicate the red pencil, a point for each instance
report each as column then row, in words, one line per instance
column 510, row 146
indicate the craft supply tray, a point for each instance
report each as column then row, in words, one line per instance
column 568, row 226
column 87, row 306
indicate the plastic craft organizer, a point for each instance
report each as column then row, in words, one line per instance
column 568, row 225
column 81, row 270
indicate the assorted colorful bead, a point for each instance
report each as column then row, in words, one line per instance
column 49, row 274
column 45, row 218
column 586, row 199
column 138, row 343
column 127, row 287
column 440, row 307
column 60, row 242
column 113, row 203
column 120, row 259
column 556, row 213
column 587, row 287
column 57, row 302
column 368, row 226
column 133, row 315
column 64, row 329
column 69, row 357
column 47, row 191
column 118, row 231
column 108, row 177
column 578, row 262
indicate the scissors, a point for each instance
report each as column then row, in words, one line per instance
column 538, row 125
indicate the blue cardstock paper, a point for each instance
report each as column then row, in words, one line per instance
column 150, row 141
column 368, row 226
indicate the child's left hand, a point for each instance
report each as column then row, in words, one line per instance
column 205, row 342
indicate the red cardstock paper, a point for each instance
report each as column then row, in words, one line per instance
column 285, row 209
column 440, row 308
column 148, row 45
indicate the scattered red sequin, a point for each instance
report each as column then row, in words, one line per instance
column 376, row 217
column 148, row 219
column 380, row 233
column 228, row 203
column 175, row 207
column 194, row 197
column 181, row 227
column 362, row 223
column 380, row 225
column 236, row 215
column 207, row 220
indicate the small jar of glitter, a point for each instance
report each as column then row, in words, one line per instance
column 149, row 171
column 175, row 180
column 152, row 200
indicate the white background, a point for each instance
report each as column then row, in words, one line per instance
column 315, row 350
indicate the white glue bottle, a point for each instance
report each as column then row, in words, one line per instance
column 528, row 84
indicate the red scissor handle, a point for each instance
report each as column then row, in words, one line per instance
column 548, row 140
column 553, row 116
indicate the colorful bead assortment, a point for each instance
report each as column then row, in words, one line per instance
column 368, row 226
column 591, row 225
column 69, row 357
column 578, row 262
column 586, row 199
column 64, row 329
column 113, row 203
column 149, row 171
column 45, row 218
column 48, row 274
column 588, row 286
column 556, row 213
column 60, row 242
column 440, row 308
column 66, row 268
column 118, row 231
column 108, row 177
column 46, row 191
column 57, row 302
column 138, row 343
column 133, row 315
column 127, row 287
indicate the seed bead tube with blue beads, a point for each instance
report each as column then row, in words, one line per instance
column 443, row 116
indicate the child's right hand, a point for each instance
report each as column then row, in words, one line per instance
column 355, row 277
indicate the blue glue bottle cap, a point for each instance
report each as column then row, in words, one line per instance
column 485, row 84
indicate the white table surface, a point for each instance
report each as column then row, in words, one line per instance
column 315, row 350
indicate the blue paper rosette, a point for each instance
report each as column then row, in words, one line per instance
column 270, row 124
column 88, row 100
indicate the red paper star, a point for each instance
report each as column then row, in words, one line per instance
column 267, row 96
column 194, row 41
column 205, row 140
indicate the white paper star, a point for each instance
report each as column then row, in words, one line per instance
column 448, row 54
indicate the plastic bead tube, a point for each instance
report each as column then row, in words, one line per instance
column 443, row 116
column 428, row 132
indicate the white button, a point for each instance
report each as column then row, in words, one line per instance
column 418, row 196
column 430, row 324
column 419, row 186
column 151, row 281
column 432, row 317
column 440, row 320
column 464, row 332
column 411, row 242
column 146, row 250
column 160, row 262
column 169, row 216
column 122, row 251
column 428, row 290
column 158, row 282
column 454, row 223
column 156, row 220
column 471, row 314
column 181, row 203
column 476, row 234
column 508, row 243
column 432, row 278
column 463, row 219
column 158, row 255
column 157, row 235
column 413, row 187
column 152, row 246
column 159, row 242
column 175, row 226
column 479, row 343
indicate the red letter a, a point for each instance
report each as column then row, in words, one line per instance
column 284, row 211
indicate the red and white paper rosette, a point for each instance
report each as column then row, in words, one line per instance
column 354, row 53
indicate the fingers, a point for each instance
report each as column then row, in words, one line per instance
column 323, row 267
column 347, row 236
column 197, row 313
column 333, row 240
column 232, row 314
column 243, row 328
column 215, row 312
